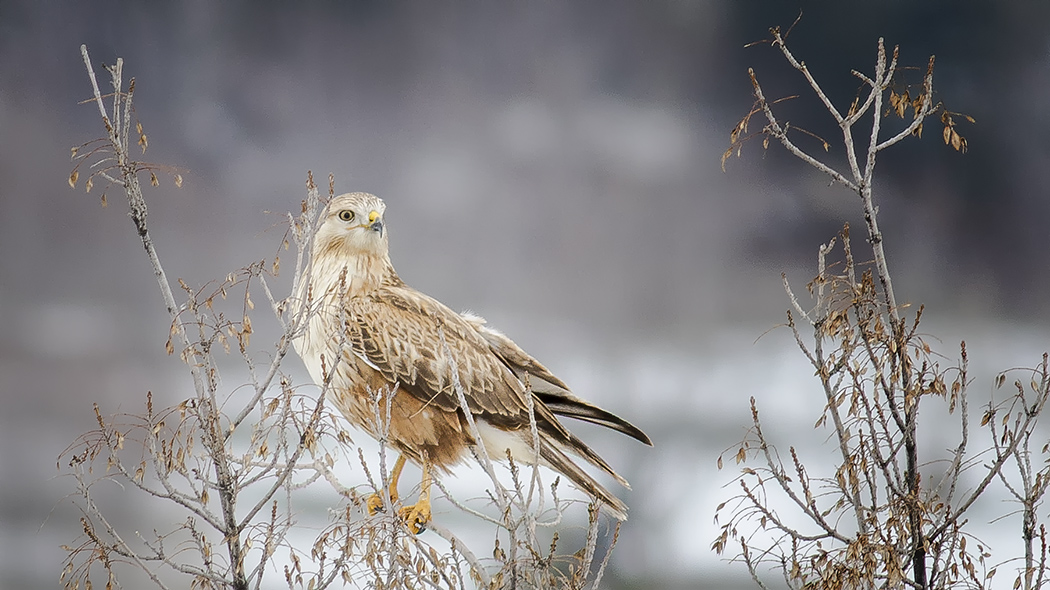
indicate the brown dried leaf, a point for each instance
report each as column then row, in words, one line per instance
column 153, row 179
column 73, row 179
column 271, row 407
column 178, row 181
column 728, row 154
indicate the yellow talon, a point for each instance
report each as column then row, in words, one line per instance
column 417, row 515
column 374, row 503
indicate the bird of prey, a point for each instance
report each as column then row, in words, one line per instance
column 370, row 332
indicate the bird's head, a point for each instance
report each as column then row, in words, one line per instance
column 353, row 226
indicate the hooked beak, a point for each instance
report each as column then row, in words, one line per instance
column 375, row 223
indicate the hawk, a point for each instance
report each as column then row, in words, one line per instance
column 370, row 332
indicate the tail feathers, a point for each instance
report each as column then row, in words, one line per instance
column 545, row 385
column 574, row 407
column 580, row 448
column 560, row 462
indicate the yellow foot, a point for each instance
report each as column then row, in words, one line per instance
column 416, row 516
column 374, row 504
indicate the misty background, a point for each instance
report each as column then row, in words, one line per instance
column 553, row 167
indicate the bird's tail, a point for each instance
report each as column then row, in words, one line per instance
column 559, row 461
column 568, row 405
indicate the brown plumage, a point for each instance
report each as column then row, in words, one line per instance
column 383, row 332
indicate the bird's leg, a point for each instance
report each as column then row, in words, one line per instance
column 418, row 515
column 375, row 501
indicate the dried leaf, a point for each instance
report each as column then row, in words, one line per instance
column 728, row 154
column 87, row 186
column 153, row 179
column 902, row 104
column 178, row 181
column 73, row 179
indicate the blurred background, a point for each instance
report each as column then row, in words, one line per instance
column 553, row 167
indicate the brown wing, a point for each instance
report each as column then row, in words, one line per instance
column 399, row 330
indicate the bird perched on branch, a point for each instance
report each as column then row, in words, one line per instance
column 371, row 334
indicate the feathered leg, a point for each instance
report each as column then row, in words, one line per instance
column 375, row 501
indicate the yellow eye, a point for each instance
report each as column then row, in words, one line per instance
column 346, row 215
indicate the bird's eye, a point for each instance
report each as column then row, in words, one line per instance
column 346, row 215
